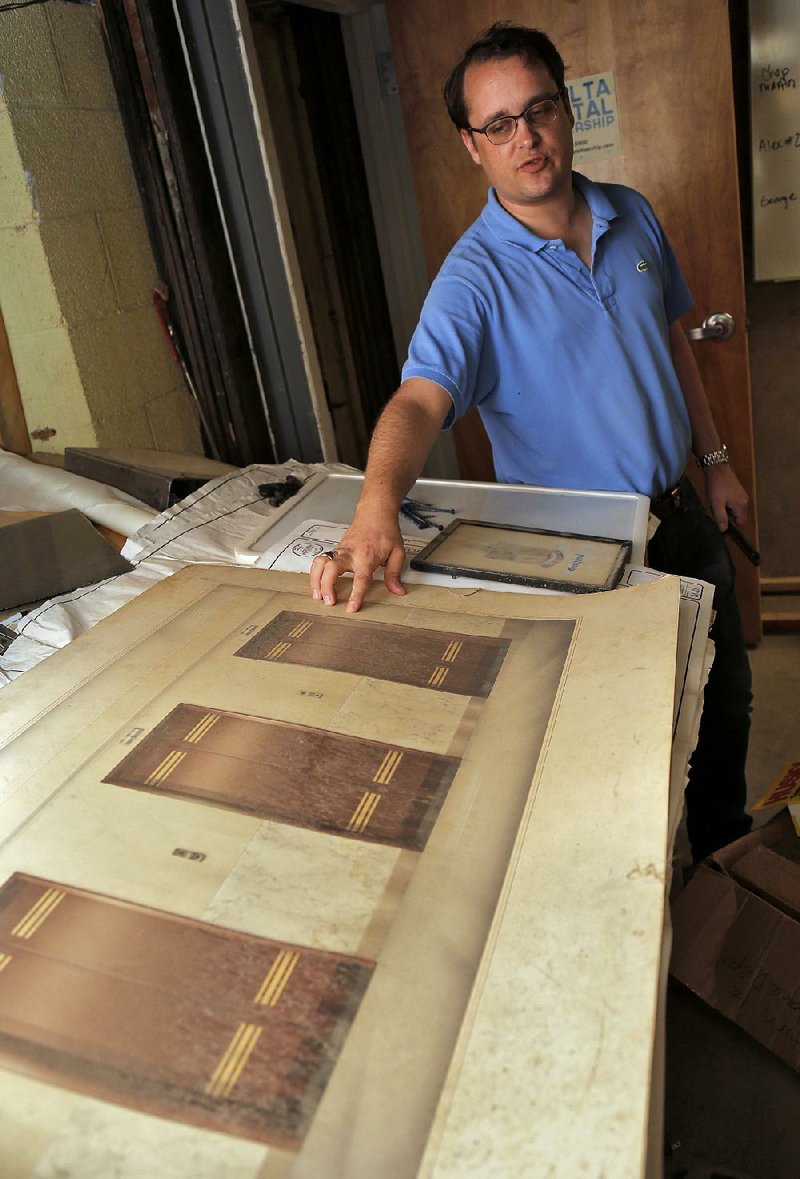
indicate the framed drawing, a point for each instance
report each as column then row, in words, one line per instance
column 536, row 557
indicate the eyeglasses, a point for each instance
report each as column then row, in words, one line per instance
column 538, row 114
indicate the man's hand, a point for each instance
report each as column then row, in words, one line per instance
column 725, row 493
column 370, row 541
column 401, row 441
column 723, row 490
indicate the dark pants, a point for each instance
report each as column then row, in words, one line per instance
column 688, row 542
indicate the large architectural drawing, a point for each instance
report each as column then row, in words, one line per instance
column 309, row 866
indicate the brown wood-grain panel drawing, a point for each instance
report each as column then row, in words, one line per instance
column 168, row 1015
column 293, row 774
column 465, row 664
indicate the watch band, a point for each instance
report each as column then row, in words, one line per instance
column 713, row 458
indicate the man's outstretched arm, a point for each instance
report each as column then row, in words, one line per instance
column 723, row 489
column 401, row 442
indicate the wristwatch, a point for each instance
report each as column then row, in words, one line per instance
column 714, row 457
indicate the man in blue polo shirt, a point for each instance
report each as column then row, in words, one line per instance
column 556, row 314
column 499, row 331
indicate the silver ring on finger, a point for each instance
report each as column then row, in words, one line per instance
column 332, row 555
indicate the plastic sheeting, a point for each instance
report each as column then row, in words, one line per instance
column 207, row 527
column 30, row 486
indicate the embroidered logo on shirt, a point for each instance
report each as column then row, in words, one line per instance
column 642, row 266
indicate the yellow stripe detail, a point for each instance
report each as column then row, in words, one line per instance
column 201, row 728
column 388, row 767
column 278, row 650
column 438, row 676
column 452, row 652
column 278, row 976
column 299, row 630
column 235, row 1057
column 244, row 1055
column 38, row 913
column 364, row 811
column 365, row 818
column 165, row 768
column 229, row 1052
column 356, row 815
column 4, row 961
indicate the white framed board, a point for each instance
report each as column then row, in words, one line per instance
column 775, row 138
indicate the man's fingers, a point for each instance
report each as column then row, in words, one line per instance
column 361, row 582
column 393, row 569
column 720, row 515
column 361, row 560
column 724, row 511
column 727, row 499
column 324, row 573
column 330, row 575
column 315, row 575
column 738, row 509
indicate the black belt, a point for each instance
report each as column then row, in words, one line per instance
column 671, row 501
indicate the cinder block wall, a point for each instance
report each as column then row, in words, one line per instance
column 76, row 268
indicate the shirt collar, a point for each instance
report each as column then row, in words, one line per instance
column 508, row 229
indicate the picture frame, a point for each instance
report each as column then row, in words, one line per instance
column 541, row 558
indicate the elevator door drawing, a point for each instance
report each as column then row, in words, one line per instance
column 220, row 1029
column 292, row 773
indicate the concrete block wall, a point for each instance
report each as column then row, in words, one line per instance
column 76, row 267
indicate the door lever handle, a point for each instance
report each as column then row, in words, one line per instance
column 718, row 326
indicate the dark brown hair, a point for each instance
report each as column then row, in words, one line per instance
column 500, row 41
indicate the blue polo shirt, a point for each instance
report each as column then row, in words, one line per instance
column 570, row 368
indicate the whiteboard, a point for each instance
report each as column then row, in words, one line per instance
column 775, row 137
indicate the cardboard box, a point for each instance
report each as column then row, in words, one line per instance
column 736, row 936
column 784, row 791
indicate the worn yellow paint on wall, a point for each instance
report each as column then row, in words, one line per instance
column 76, row 267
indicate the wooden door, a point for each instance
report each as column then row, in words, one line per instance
column 672, row 68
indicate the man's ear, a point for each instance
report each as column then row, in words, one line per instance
column 469, row 144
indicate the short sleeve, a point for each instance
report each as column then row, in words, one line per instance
column 447, row 344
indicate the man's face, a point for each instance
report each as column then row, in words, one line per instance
column 536, row 165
